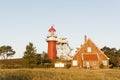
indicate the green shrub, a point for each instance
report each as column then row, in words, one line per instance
column 102, row 66
column 68, row 65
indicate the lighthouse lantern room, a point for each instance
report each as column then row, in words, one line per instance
column 51, row 40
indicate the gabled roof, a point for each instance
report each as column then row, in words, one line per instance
column 103, row 55
column 52, row 29
column 87, row 42
column 90, row 57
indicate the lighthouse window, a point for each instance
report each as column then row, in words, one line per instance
column 89, row 49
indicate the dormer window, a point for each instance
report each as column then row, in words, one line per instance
column 89, row 49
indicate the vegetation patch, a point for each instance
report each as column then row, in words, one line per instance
column 59, row 74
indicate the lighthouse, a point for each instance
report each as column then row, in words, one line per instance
column 51, row 40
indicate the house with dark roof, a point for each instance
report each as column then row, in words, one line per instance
column 90, row 56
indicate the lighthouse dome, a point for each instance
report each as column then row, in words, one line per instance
column 52, row 29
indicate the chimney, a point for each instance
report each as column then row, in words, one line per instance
column 85, row 38
column 81, row 45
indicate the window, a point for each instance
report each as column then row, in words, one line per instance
column 105, row 63
column 94, row 63
column 88, row 49
column 74, row 63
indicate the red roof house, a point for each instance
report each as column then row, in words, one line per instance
column 89, row 56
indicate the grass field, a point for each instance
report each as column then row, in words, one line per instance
column 59, row 74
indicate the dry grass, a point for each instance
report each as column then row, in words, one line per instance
column 59, row 74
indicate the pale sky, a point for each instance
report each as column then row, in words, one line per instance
column 24, row 21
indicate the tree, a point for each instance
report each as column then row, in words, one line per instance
column 6, row 51
column 111, row 51
column 113, row 54
column 30, row 51
column 30, row 55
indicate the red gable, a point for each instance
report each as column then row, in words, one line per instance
column 52, row 29
column 90, row 57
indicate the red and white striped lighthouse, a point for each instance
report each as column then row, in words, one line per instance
column 51, row 40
